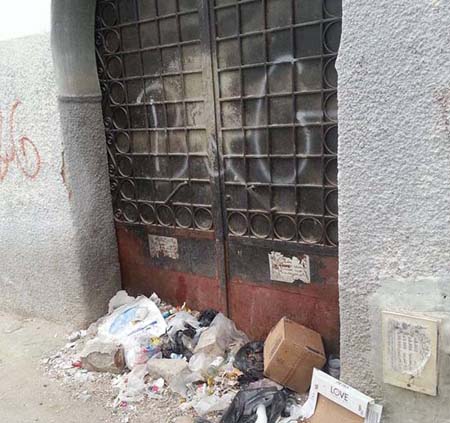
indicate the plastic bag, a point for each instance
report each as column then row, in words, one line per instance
column 139, row 350
column 131, row 386
column 250, row 361
column 207, row 316
column 219, row 337
column 295, row 414
column 131, row 320
column 261, row 414
column 133, row 325
column 121, row 298
column 265, row 383
column 182, row 329
column 212, row 403
column 245, row 405
column 180, row 383
column 206, row 364
column 182, row 321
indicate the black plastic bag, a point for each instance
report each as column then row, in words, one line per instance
column 181, row 343
column 206, row 317
column 244, row 405
column 250, row 361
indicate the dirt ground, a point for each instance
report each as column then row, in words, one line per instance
column 29, row 394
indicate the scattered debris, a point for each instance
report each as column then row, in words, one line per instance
column 184, row 419
column 213, row 403
column 100, row 356
column 167, row 369
column 75, row 336
column 198, row 367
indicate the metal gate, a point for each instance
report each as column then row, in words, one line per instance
column 221, row 124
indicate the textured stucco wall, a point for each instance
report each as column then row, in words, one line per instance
column 394, row 181
column 58, row 256
column 36, row 231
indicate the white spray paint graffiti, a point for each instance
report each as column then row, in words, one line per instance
column 304, row 117
column 155, row 120
column 146, row 91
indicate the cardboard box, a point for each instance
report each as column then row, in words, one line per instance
column 291, row 352
column 328, row 411
column 332, row 401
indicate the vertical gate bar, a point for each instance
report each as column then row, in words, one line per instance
column 243, row 114
column 127, row 101
column 322, row 123
column 144, row 96
column 294, row 114
column 207, row 33
column 185, row 117
column 164, row 105
column 272, row 209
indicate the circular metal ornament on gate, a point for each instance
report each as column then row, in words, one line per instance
column 183, row 217
column 203, row 219
column 260, row 225
column 237, row 223
column 285, row 228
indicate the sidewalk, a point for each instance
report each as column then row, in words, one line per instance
column 28, row 395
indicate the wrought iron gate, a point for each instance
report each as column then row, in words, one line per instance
column 221, row 124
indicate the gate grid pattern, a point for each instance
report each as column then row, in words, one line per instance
column 273, row 92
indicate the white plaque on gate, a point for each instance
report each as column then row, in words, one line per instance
column 287, row 269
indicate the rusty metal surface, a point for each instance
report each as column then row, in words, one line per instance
column 221, row 124
column 257, row 306
column 197, row 284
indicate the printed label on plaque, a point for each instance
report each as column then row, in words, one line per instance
column 163, row 246
column 286, row 269
column 410, row 352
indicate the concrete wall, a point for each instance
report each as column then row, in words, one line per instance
column 394, row 181
column 58, row 254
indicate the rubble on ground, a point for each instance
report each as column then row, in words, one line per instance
column 197, row 365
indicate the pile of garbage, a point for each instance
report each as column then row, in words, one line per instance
column 216, row 372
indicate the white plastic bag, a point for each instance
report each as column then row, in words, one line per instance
column 138, row 350
column 121, row 298
column 220, row 336
column 131, row 386
column 179, row 321
column 140, row 315
column 181, row 382
column 205, row 364
column 130, row 325
column 199, row 362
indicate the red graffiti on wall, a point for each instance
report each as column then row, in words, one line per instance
column 20, row 151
